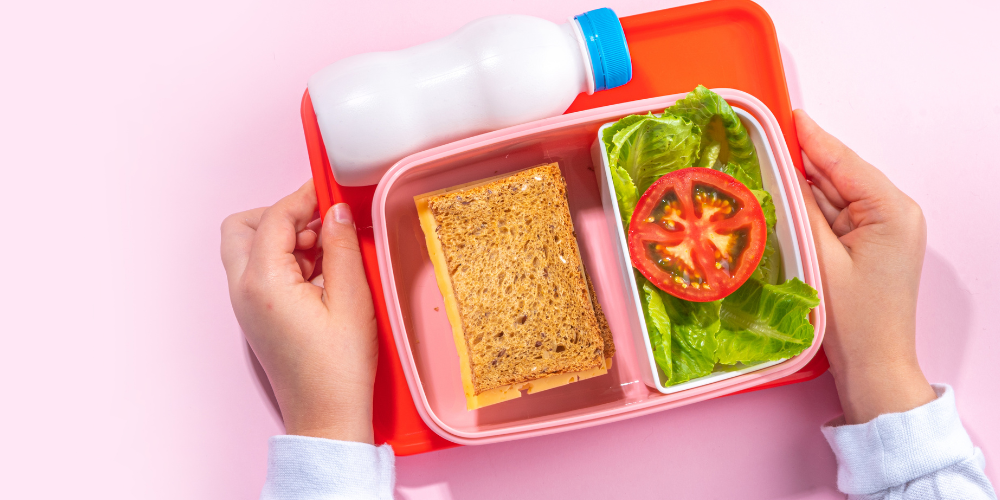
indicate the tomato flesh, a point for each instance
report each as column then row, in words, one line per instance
column 697, row 234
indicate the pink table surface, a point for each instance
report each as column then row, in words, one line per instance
column 128, row 130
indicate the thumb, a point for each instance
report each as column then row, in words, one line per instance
column 343, row 270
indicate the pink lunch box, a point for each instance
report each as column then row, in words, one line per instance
column 420, row 325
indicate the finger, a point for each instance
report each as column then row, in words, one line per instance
column 237, row 238
column 279, row 225
column 843, row 223
column 306, row 239
column 829, row 211
column 827, row 244
column 314, row 226
column 853, row 178
column 306, row 260
column 309, row 237
column 343, row 270
column 822, row 182
column 316, row 223
column 318, row 265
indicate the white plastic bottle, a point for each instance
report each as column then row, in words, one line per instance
column 374, row 109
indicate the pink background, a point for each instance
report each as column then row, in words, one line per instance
column 128, row 130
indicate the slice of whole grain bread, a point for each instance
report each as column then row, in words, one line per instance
column 518, row 279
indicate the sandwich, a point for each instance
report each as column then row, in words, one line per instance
column 523, row 312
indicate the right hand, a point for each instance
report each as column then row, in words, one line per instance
column 870, row 238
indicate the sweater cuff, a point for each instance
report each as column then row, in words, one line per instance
column 896, row 448
column 302, row 467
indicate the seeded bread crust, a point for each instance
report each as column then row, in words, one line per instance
column 602, row 323
column 518, row 279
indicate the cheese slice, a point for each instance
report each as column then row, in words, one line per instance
column 504, row 393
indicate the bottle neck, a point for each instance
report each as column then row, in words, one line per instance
column 573, row 31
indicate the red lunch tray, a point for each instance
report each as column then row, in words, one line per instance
column 724, row 43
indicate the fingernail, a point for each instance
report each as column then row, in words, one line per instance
column 342, row 213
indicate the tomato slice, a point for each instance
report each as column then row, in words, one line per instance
column 697, row 234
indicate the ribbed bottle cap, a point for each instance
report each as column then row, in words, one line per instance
column 607, row 47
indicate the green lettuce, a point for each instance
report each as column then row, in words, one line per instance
column 684, row 342
column 769, row 270
column 621, row 130
column 724, row 131
column 642, row 148
column 764, row 322
column 693, row 343
column 708, row 153
column 658, row 326
column 656, row 146
column 625, row 190
column 767, row 205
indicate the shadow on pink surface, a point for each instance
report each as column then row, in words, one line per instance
column 944, row 320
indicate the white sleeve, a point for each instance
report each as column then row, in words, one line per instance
column 309, row 468
column 923, row 453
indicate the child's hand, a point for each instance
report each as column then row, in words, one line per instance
column 870, row 238
column 316, row 343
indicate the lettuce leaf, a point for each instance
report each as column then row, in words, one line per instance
column 693, row 351
column 625, row 190
column 622, row 129
column 712, row 113
column 647, row 149
column 709, row 153
column 626, row 193
column 689, row 352
column 764, row 322
column 658, row 326
column 694, row 327
column 767, row 205
column 769, row 269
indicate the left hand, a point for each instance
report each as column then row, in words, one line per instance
column 316, row 342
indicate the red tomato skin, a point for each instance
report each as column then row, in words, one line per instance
column 683, row 181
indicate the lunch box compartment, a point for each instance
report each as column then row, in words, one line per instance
column 788, row 241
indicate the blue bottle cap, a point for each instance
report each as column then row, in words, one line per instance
column 609, row 56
